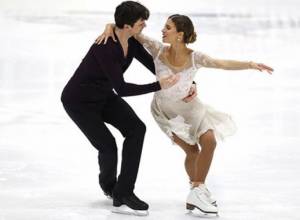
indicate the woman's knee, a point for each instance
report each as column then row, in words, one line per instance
column 208, row 141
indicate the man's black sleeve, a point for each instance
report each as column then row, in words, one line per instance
column 142, row 55
column 112, row 68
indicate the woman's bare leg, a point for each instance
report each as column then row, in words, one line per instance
column 191, row 152
column 203, row 161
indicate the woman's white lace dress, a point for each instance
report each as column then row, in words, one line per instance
column 187, row 120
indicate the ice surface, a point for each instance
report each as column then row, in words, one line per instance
column 48, row 170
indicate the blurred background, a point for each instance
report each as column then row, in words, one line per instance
column 48, row 169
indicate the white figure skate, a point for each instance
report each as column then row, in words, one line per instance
column 198, row 198
column 210, row 198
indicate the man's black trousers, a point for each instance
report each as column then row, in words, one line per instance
column 91, row 117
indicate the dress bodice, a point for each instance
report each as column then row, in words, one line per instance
column 181, row 89
column 163, row 69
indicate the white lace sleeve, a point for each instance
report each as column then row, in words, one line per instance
column 203, row 60
column 152, row 45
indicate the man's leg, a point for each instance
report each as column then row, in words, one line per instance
column 119, row 114
column 88, row 118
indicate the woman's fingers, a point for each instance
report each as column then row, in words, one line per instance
column 268, row 68
column 99, row 39
column 262, row 67
column 103, row 38
column 265, row 67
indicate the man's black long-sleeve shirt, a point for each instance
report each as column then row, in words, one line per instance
column 102, row 70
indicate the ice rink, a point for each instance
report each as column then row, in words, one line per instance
column 48, row 169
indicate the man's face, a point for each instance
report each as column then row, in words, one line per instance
column 138, row 26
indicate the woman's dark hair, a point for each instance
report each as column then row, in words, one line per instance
column 184, row 24
column 129, row 12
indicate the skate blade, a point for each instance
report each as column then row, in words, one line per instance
column 125, row 210
column 200, row 214
column 191, row 207
column 215, row 204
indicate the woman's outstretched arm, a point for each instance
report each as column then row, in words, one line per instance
column 206, row 61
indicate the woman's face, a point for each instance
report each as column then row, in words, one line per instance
column 170, row 34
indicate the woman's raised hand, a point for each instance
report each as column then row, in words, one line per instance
column 108, row 32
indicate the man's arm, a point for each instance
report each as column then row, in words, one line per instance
column 111, row 67
column 142, row 55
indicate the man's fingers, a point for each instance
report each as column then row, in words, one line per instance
column 173, row 78
column 169, row 81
